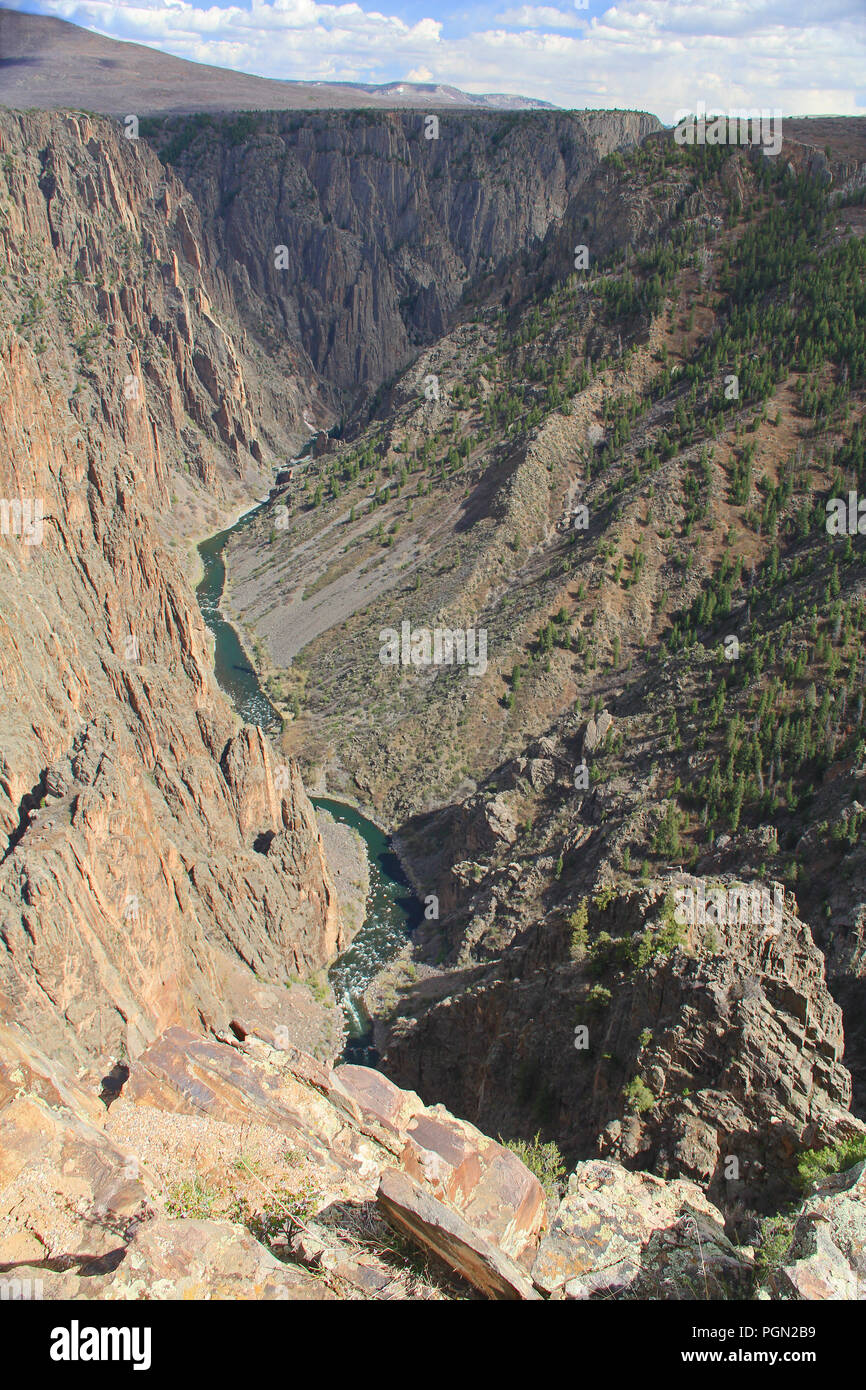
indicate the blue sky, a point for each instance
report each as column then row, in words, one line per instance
column 660, row 55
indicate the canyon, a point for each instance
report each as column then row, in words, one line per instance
column 238, row 305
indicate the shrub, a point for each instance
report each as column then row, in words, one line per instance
column 604, row 897
column 667, row 841
column 598, row 998
column 191, row 1198
column 777, row 1235
column 283, row 1209
column 544, row 1160
column 638, row 1095
column 815, row 1164
column 577, row 922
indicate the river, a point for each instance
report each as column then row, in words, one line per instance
column 392, row 908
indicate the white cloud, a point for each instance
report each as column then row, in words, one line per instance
column 539, row 17
column 658, row 55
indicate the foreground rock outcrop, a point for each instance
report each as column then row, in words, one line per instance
column 826, row 1257
column 618, row 1233
column 134, row 1200
column 246, row 1171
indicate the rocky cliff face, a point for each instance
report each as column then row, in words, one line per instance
column 676, row 1058
column 158, row 866
column 353, row 237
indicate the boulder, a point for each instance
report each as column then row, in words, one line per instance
column 191, row 1259
column 596, row 731
column 542, row 773
column 827, row 1256
column 376, row 1097
column 500, row 820
column 618, row 1233
column 446, row 1235
column 483, row 1181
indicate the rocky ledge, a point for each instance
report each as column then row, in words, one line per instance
column 243, row 1171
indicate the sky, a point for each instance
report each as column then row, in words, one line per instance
column 796, row 56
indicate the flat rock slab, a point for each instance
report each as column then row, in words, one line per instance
column 188, row 1073
column 207, row 1260
column 376, row 1097
column 445, row 1234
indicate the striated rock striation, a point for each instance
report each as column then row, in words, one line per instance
column 355, row 238
column 159, row 867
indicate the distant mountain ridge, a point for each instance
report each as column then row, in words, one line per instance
column 53, row 65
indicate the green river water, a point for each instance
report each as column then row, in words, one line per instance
column 392, row 908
